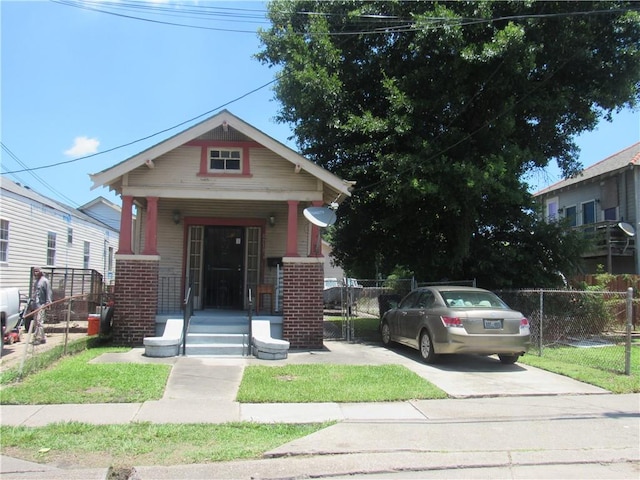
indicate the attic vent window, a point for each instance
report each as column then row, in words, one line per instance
column 229, row 160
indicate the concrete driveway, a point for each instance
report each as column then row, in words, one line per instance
column 460, row 376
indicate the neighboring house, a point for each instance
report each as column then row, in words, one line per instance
column 104, row 210
column 220, row 208
column 38, row 231
column 604, row 202
column 331, row 270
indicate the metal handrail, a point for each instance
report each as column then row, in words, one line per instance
column 250, row 318
column 188, row 312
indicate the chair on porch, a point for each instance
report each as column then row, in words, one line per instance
column 265, row 289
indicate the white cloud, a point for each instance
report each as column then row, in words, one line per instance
column 82, row 146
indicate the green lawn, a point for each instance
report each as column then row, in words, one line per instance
column 333, row 383
column 72, row 379
column 589, row 365
column 83, row 445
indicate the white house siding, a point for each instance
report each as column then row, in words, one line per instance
column 30, row 221
column 330, row 269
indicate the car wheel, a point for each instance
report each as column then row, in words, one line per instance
column 386, row 334
column 426, row 348
column 508, row 359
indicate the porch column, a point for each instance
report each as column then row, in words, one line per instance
column 292, row 229
column 124, row 243
column 316, row 248
column 151, row 227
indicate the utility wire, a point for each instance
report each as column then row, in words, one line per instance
column 394, row 24
column 34, row 175
column 148, row 136
column 70, row 203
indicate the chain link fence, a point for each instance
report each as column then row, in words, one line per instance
column 579, row 326
column 573, row 326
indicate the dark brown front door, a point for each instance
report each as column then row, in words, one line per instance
column 224, row 269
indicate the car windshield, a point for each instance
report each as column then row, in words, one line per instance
column 472, row 299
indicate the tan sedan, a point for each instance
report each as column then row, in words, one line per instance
column 451, row 319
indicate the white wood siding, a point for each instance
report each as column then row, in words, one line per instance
column 29, row 225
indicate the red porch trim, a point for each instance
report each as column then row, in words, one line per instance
column 205, row 145
column 292, row 229
column 151, row 227
column 124, row 243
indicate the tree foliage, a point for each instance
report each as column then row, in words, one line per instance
column 439, row 110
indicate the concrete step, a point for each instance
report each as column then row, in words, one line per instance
column 218, row 349
column 217, row 338
column 219, row 327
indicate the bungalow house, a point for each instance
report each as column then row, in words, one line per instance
column 220, row 211
column 603, row 202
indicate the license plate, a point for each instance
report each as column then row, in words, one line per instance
column 491, row 324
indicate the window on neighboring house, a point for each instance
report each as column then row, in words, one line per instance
column 87, row 250
column 572, row 215
column 589, row 212
column 4, row 240
column 51, row 248
column 229, row 160
column 69, row 235
column 552, row 209
column 110, row 260
column 611, row 213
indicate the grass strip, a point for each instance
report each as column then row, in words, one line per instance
column 333, row 383
column 586, row 365
column 73, row 379
column 85, row 445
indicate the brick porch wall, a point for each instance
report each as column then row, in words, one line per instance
column 136, row 299
column 302, row 302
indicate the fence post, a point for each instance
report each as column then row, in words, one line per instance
column 627, row 350
column 541, row 322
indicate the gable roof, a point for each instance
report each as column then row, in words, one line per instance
column 617, row 161
column 224, row 118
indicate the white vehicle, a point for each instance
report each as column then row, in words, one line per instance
column 9, row 309
column 337, row 291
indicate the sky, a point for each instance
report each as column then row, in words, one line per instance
column 77, row 82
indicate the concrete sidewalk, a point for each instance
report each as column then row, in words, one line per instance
column 568, row 436
column 505, row 421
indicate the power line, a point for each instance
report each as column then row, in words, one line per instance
column 377, row 23
column 34, row 175
column 148, row 136
column 71, row 203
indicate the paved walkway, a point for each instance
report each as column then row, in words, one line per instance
column 502, row 418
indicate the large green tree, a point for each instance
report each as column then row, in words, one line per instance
column 438, row 110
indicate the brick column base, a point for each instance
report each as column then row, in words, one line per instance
column 135, row 299
column 302, row 305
